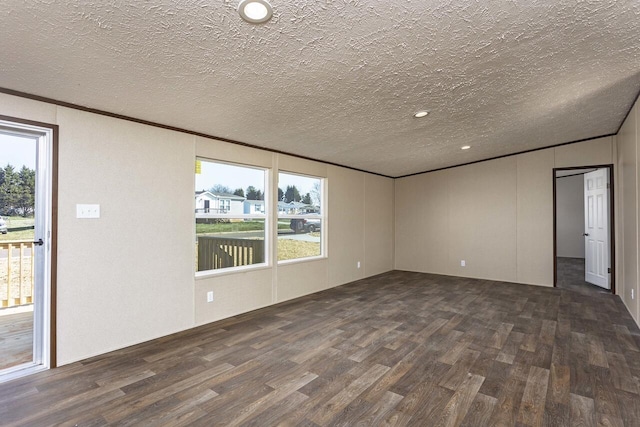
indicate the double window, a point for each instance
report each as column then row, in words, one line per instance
column 232, row 211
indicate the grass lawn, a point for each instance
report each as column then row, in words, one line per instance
column 18, row 235
column 226, row 227
column 17, row 222
column 290, row 249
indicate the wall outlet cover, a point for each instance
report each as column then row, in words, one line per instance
column 87, row 211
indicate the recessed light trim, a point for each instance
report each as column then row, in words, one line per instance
column 465, row 147
column 421, row 114
column 255, row 11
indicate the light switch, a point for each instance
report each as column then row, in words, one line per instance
column 87, row 211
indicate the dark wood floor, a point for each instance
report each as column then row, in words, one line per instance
column 16, row 339
column 397, row 349
column 571, row 277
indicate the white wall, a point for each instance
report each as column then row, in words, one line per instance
column 375, row 214
column 570, row 216
column 496, row 215
column 128, row 277
column 360, row 215
column 123, row 278
column 627, row 198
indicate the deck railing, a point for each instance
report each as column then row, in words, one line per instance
column 221, row 252
column 17, row 272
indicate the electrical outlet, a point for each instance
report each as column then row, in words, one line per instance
column 358, row 264
column 210, row 296
column 463, row 263
column 631, row 293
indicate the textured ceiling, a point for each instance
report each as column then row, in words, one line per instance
column 339, row 80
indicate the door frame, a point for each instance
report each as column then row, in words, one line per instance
column 612, row 234
column 53, row 239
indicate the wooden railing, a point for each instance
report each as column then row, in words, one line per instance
column 221, row 252
column 17, row 273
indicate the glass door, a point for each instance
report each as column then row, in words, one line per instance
column 25, row 248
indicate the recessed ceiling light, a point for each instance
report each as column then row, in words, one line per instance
column 465, row 147
column 255, row 11
column 421, row 114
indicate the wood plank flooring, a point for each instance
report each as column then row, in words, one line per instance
column 396, row 349
column 16, row 339
column 571, row 277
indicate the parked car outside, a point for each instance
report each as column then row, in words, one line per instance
column 3, row 226
column 301, row 225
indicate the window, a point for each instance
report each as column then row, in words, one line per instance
column 230, row 230
column 300, row 218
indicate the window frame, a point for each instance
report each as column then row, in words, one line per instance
column 266, row 217
column 322, row 216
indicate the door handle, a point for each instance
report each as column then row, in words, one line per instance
column 39, row 242
column 585, row 234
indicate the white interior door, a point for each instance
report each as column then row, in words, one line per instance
column 596, row 223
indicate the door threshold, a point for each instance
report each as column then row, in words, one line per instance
column 19, row 371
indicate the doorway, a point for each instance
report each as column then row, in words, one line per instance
column 27, row 247
column 583, row 228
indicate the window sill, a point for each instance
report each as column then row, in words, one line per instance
column 201, row 275
column 299, row 260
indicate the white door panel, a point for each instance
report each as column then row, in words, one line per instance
column 597, row 228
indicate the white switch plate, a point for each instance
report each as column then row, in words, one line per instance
column 463, row 263
column 87, row 211
column 631, row 293
column 210, row 296
column 358, row 264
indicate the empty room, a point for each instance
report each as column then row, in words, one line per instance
column 319, row 213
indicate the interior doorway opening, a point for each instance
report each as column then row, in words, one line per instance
column 583, row 228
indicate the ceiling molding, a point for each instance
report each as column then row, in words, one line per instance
column 244, row 144
column 508, row 155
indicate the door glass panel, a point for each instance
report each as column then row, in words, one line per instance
column 17, row 253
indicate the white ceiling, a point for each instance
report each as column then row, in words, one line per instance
column 339, row 80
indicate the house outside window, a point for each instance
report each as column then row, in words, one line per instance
column 254, row 207
column 301, row 219
column 228, row 235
